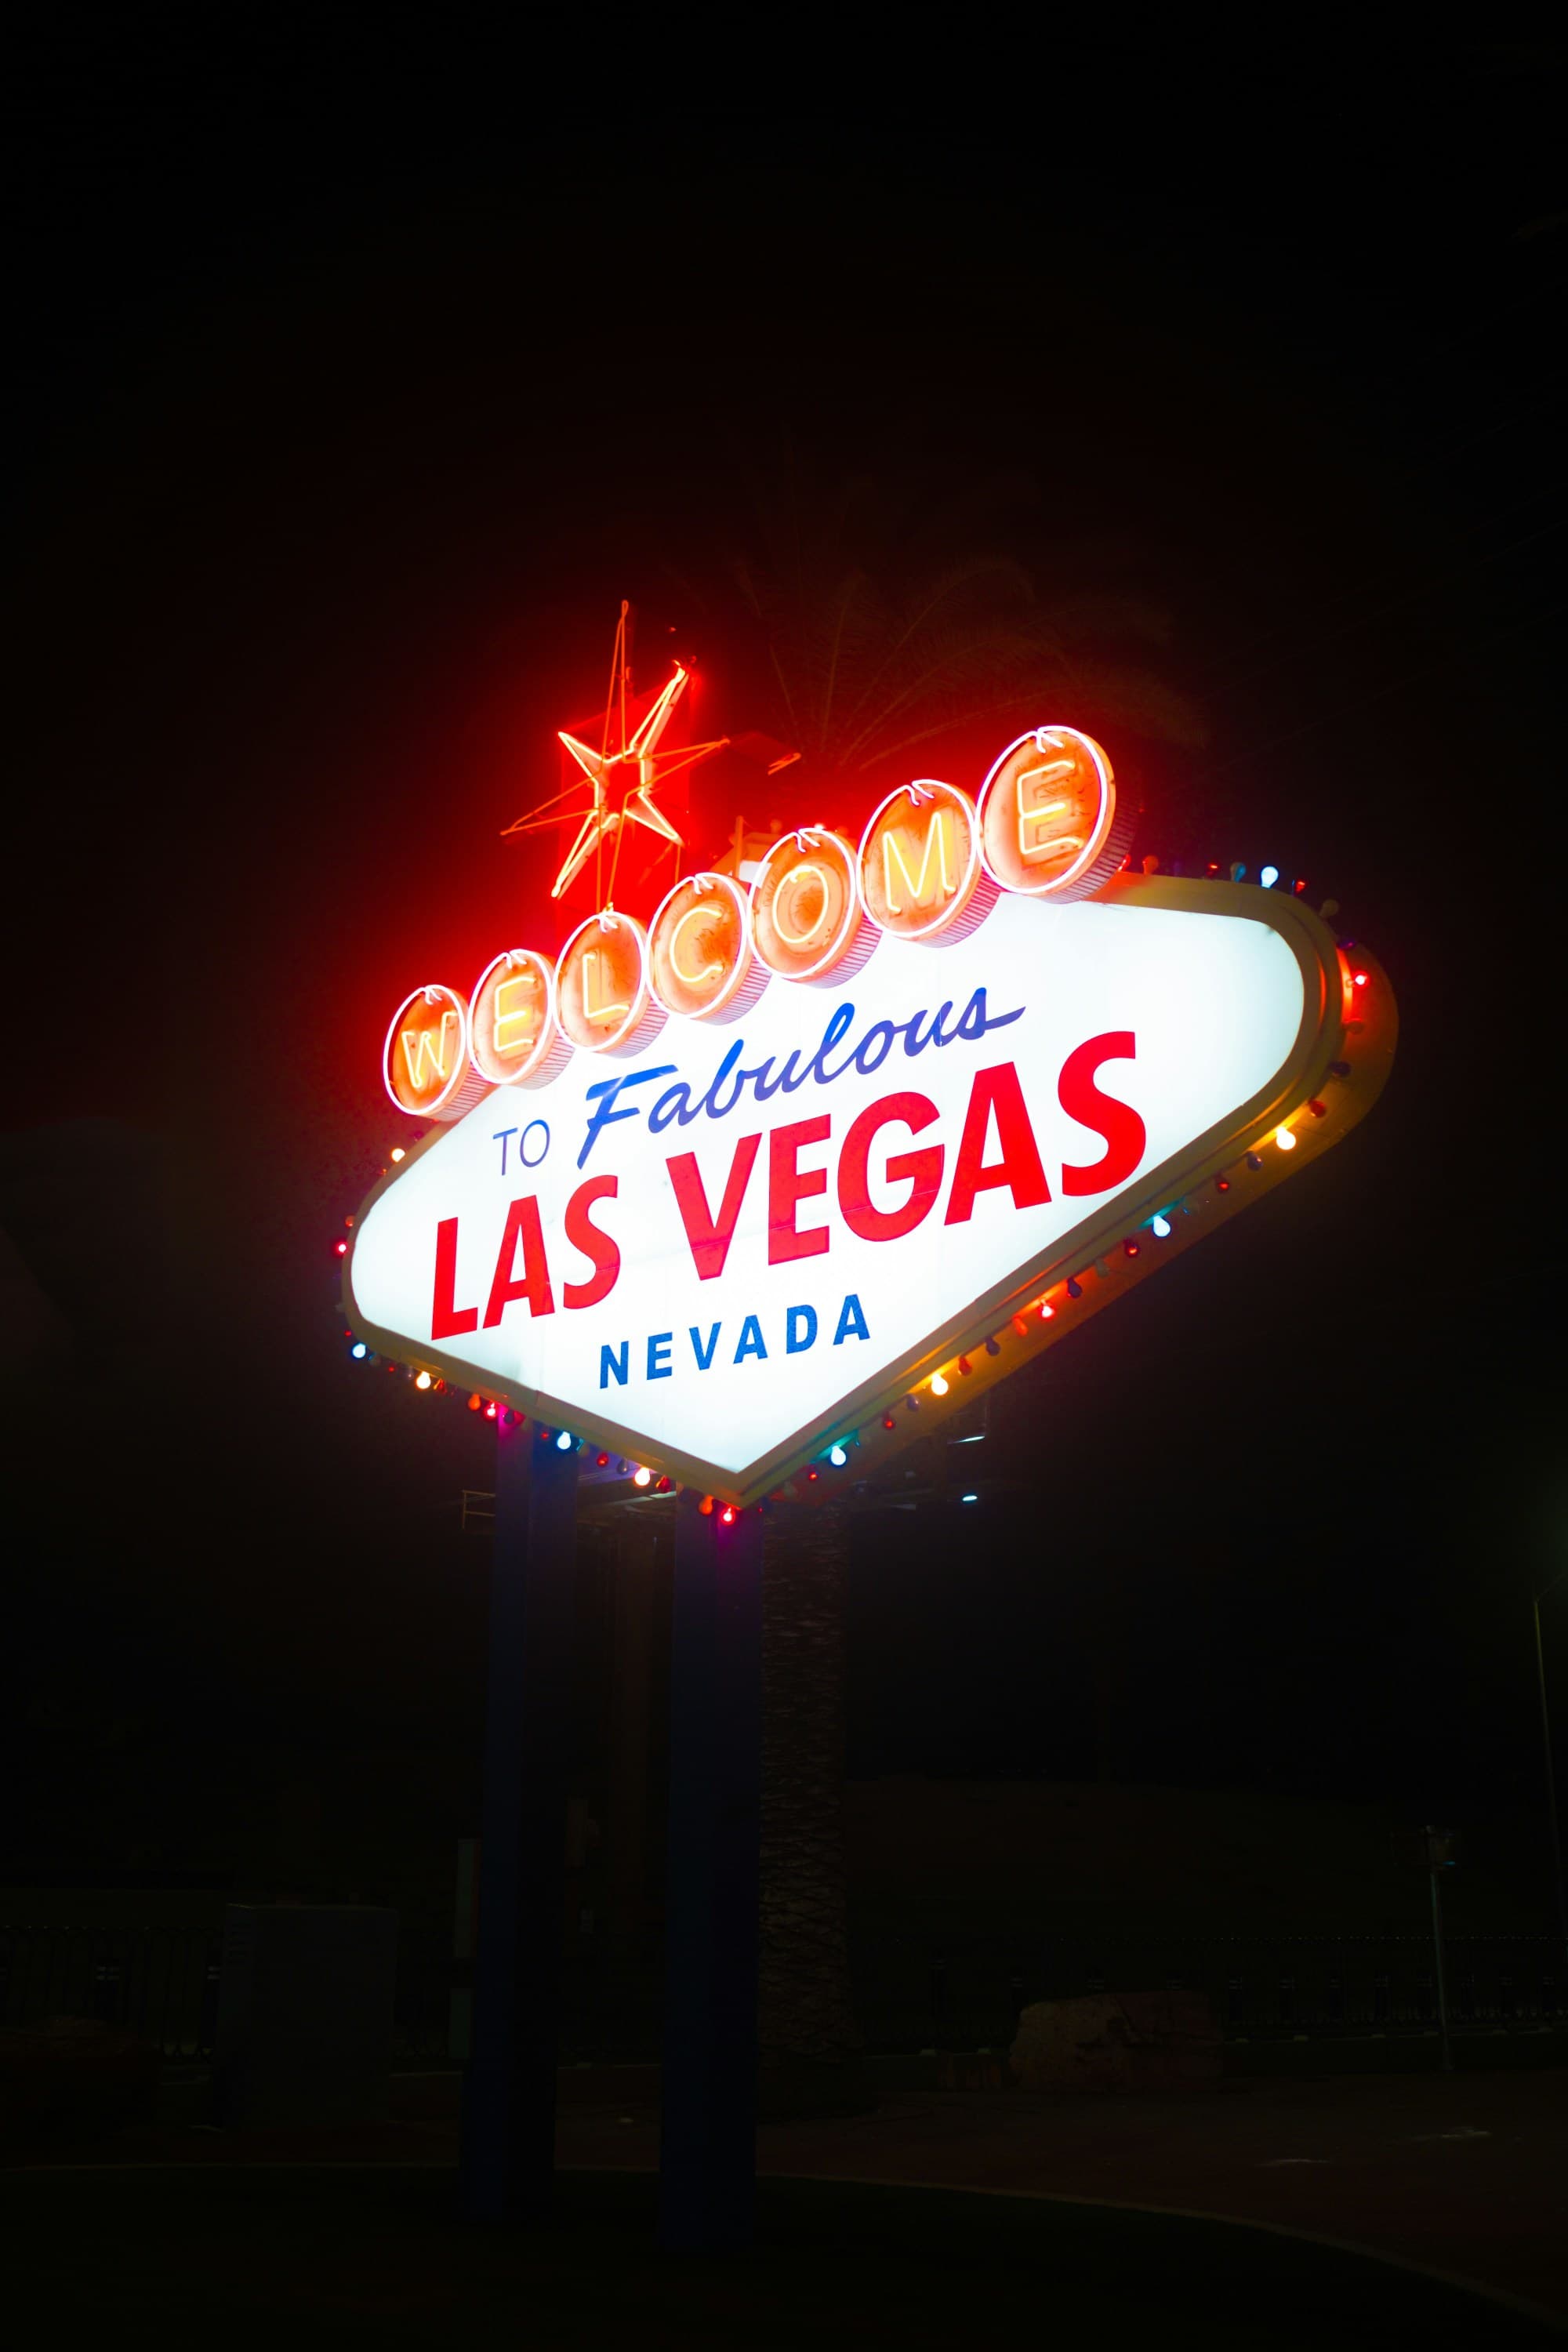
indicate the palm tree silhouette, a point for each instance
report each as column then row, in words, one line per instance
column 867, row 673
column 878, row 635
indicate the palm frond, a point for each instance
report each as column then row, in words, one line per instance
column 875, row 646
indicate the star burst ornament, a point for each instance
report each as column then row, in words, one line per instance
column 621, row 780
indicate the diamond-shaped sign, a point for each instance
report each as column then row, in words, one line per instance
column 726, row 1248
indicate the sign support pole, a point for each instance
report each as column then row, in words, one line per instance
column 708, row 2144
column 509, row 2103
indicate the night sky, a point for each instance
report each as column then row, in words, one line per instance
column 359, row 374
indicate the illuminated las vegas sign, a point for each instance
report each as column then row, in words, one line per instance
column 736, row 1194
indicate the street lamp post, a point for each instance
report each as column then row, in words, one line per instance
column 1440, row 1857
column 1536, row 1599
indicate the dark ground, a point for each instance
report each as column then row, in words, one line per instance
column 333, row 2255
column 1459, row 2177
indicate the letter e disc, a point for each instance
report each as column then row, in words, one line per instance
column 1048, row 823
column 514, row 1039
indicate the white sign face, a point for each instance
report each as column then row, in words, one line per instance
column 721, row 1250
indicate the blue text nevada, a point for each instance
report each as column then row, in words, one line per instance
column 665, row 1354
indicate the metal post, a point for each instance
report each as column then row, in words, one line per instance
column 1556, row 1834
column 1437, row 1946
column 626, row 1895
column 509, row 2106
column 707, row 2146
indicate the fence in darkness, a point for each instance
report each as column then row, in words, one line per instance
column 162, row 1984
column 162, row 1987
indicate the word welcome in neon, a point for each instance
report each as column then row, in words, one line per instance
column 930, row 866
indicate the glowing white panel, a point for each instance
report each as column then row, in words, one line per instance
column 730, row 1377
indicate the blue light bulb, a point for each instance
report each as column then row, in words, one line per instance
column 359, row 1351
column 1162, row 1227
column 565, row 1442
column 1268, row 876
column 838, row 1457
column 968, row 1498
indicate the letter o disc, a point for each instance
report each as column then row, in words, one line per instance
column 806, row 909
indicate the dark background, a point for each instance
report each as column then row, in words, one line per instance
column 360, row 368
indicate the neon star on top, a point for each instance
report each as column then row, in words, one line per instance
column 621, row 780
